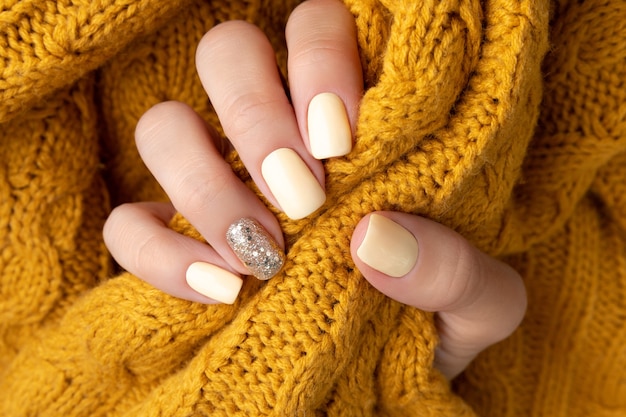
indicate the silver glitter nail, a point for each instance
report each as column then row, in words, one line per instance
column 255, row 248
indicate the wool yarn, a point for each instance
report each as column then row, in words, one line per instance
column 502, row 119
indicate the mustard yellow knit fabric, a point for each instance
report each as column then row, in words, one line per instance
column 504, row 119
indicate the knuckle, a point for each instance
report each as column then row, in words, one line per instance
column 493, row 320
column 125, row 237
column 196, row 194
column 315, row 51
column 220, row 38
column 463, row 275
column 116, row 224
column 148, row 248
column 155, row 120
column 247, row 112
column 132, row 243
column 314, row 13
column 313, row 37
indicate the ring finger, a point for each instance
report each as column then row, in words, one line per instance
column 179, row 150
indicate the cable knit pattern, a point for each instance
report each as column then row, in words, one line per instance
column 458, row 123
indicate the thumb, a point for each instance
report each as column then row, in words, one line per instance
column 477, row 299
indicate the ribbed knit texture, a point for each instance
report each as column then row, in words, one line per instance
column 465, row 120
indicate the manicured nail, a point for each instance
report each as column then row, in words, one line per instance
column 255, row 247
column 329, row 127
column 388, row 247
column 214, row 282
column 292, row 183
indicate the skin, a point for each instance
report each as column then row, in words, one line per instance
column 478, row 300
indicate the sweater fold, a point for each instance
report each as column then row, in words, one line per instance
column 464, row 119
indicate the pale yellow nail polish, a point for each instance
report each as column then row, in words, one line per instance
column 214, row 282
column 292, row 183
column 329, row 127
column 388, row 247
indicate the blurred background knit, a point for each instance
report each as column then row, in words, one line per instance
column 460, row 122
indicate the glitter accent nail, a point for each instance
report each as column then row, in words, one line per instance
column 255, row 248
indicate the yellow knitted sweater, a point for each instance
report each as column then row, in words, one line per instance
column 465, row 119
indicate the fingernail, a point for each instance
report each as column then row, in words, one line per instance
column 214, row 282
column 388, row 247
column 254, row 246
column 292, row 183
column 329, row 127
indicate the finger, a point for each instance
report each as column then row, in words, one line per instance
column 479, row 300
column 325, row 76
column 139, row 239
column 237, row 67
column 178, row 149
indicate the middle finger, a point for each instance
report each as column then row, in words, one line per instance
column 237, row 67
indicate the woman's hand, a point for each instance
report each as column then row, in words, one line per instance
column 278, row 141
column 478, row 300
